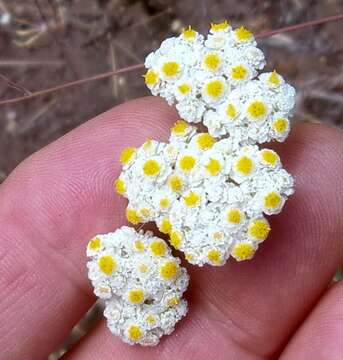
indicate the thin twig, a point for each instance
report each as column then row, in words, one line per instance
column 300, row 26
column 30, row 63
column 140, row 66
column 15, row 85
column 73, row 83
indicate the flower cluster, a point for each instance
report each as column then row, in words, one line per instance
column 210, row 192
column 209, row 196
column 141, row 283
column 215, row 80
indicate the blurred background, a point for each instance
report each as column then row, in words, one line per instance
column 44, row 43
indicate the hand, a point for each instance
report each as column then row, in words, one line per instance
column 60, row 197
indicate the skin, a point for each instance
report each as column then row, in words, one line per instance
column 277, row 304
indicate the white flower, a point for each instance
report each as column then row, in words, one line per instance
column 216, row 81
column 219, row 185
column 140, row 282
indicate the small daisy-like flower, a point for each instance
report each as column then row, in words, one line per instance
column 192, row 199
column 234, row 216
column 243, row 35
column 189, row 34
column 211, row 61
column 244, row 165
column 186, row 163
column 151, row 168
column 169, row 270
column 120, row 186
column 107, row 264
column 243, row 250
column 205, row 141
column 213, row 89
column 127, row 155
column 151, row 78
column 175, row 181
column 222, row 26
column 138, row 279
column 269, row 157
column 179, row 128
column 213, row 167
column 215, row 257
column 170, row 70
column 257, row 110
column 239, row 73
column 259, row 229
column 272, row 202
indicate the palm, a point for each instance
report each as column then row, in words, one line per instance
column 60, row 197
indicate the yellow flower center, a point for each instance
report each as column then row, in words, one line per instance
column 231, row 111
column 138, row 245
column 173, row 301
column 120, row 186
column 179, row 127
column 243, row 34
column 135, row 296
column 151, row 77
column 280, row 125
column 147, row 145
column 205, row 141
column 257, row 109
column 158, row 248
column 169, row 270
column 127, row 155
column 151, row 168
column 243, row 251
column 270, row 157
column 234, row 216
column 214, row 89
column 189, row 33
column 132, row 216
column 150, row 319
column 189, row 257
column 220, row 26
column 244, row 165
column 272, row 200
column 175, row 239
column 171, row 69
column 143, row 268
column 274, row 79
column 134, row 332
column 165, row 226
column 145, row 212
column 175, row 183
column 184, row 88
column 218, row 235
column 95, row 243
column 187, row 163
column 213, row 167
column 214, row 256
column 259, row 229
column 192, row 199
column 212, row 61
column 239, row 72
column 164, row 203
column 107, row 264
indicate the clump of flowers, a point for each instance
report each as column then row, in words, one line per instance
column 209, row 196
column 210, row 192
column 215, row 80
column 141, row 283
